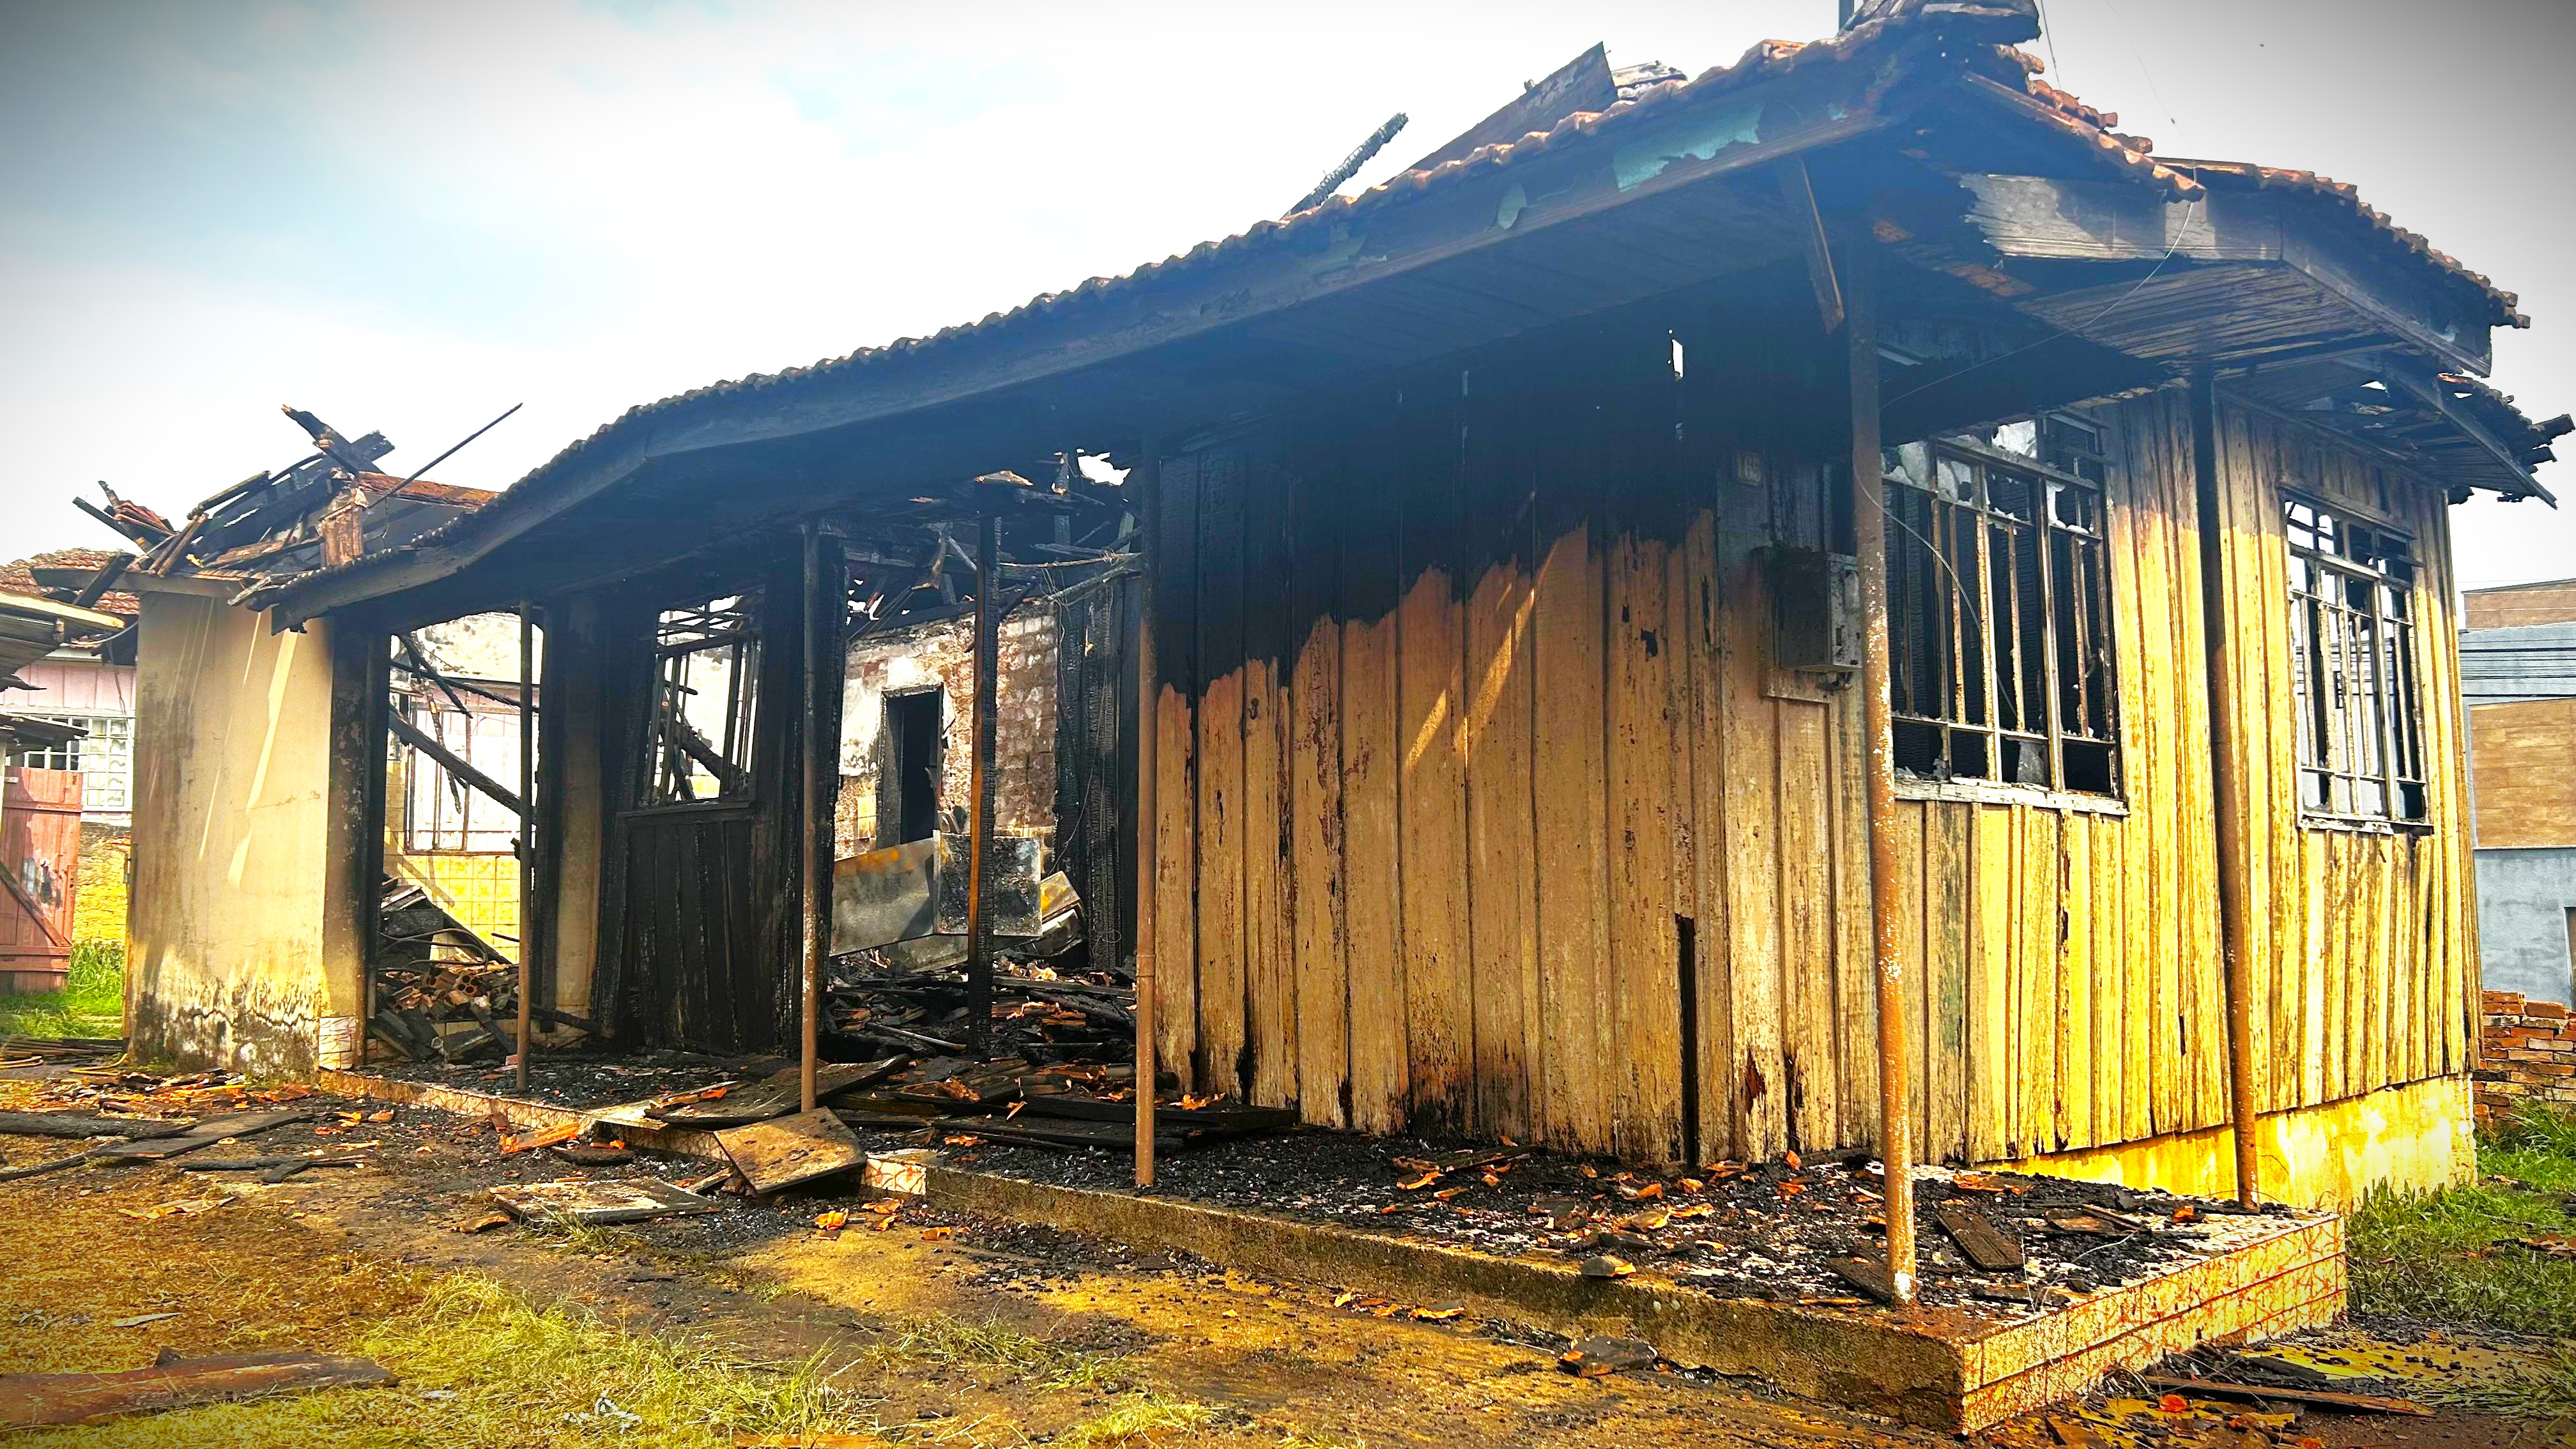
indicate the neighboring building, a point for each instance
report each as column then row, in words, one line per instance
column 1498, row 678
column 455, row 842
column 2518, row 674
column 40, row 804
column 87, row 685
column 907, row 731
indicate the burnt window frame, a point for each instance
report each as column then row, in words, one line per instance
column 456, row 810
column 2336, row 782
column 1947, row 521
column 671, row 775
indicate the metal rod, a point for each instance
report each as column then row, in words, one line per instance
column 452, row 452
column 527, row 837
column 815, row 893
column 1149, row 499
column 979, row 859
column 1350, row 165
column 1869, row 528
column 2228, row 783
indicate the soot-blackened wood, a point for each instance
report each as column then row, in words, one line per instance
column 1317, row 910
column 625, row 649
column 1219, row 1062
column 1372, row 862
column 1439, row 989
column 1270, row 982
column 1173, row 715
column 1498, row 483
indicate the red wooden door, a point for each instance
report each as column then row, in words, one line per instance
column 40, row 815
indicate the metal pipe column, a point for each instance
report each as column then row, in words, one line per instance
column 1869, row 530
column 2227, row 778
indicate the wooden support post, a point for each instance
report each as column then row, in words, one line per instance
column 814, row 888
column 979, row 924
column 2227, row 778
column 1869, row 528
column 525, row 1047
column 1149, row 493
column 371, row 832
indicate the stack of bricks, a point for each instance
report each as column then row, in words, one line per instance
column 2527, row 1054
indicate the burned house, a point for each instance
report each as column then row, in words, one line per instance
column 1838, row 600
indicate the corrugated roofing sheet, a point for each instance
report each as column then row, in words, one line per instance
column 1990, row 28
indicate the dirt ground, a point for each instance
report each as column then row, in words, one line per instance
column 938, row 1329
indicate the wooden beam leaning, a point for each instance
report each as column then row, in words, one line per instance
column 2229, row 787
column 453, row 763
column 1799, row 190
column 1869, row 528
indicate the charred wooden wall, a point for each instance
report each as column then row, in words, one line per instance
column 1481, row 804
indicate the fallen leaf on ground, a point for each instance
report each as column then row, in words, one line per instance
column 1417, row 1183
column 1440, row 1312
column 937, row 1235
column 832, row 1222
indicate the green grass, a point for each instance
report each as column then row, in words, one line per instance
column 993, row 1353
column 482, row 1369
column 91, row 1003
column 2454, row 1257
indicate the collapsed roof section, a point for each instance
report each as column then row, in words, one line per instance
column 1921, row 117
column 330, row 506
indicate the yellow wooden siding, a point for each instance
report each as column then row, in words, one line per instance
column 1510, row 791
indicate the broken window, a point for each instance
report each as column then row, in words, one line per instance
column 2352, row 650
column 442, row 814
column 1999, row 609
column 706, row 690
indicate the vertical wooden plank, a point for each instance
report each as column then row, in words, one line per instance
column 1269, row 972
column 1431, row 775
column 1373, row 857
column 1914, row 909
column 1709, row 620
column 2109, row 979
column 1807, row 1004
column 1748, row 778
column 1949, row 884
column 1219, row 1063
column 1568, row 631
column 1176, row 851
column 1502, row 862
column 1853, row 1034
column 1316, row 904
column 2073, row 1029
column 2314, row 878
column 1992, row 1035
column 2041, row 943
column 1645, row 996
column 2135, row 520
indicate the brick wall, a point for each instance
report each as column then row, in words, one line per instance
column 2526, row 1054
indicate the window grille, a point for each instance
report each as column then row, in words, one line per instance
column 2352, row 651
column 1999, row 609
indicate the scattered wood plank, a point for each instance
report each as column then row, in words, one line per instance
column 783, row 1153
column 201, row 1134
column 2362, row 1403
column 1869, row 1275
column 596, row 1203
column 30, row 1400
column 85, row 1124
column 1985, row 1246
column 779, row 1096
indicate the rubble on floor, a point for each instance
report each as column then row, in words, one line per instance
column 1792, row 1231
column 440, row 991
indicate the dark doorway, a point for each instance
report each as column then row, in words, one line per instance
column 912, row 723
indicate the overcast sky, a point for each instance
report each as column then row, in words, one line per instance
column 409, row 216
